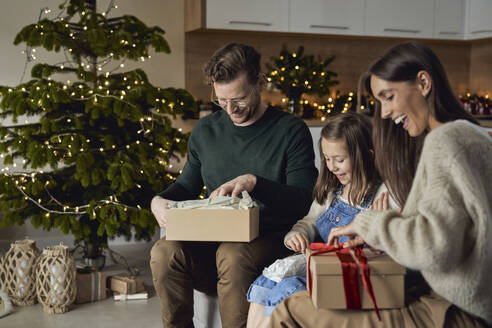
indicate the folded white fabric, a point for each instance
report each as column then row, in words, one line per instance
column 290, row 266
column 219, row 202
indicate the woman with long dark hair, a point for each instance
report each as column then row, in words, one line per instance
column 436, row 161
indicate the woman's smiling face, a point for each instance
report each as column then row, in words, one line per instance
column 405, row 102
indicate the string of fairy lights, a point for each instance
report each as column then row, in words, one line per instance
column 479, row 105
column 281, row 74
column 75, row 210
column 327, row 107
column 84, row 93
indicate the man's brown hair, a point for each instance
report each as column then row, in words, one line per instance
column 231, row 60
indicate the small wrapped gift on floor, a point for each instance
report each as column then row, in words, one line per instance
column 343, row 279
column 127, row 284
column 91, row 286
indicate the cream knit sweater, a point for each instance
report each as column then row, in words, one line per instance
column 445, row 228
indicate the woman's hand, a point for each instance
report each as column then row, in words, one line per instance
column 348, row 230
column 382, row 203
column 298, row 242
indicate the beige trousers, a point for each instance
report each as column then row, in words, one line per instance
column 226, row 268
column 428, row 311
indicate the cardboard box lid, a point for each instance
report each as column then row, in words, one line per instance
column 329, row 264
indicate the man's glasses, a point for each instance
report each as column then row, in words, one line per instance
column 240, row 103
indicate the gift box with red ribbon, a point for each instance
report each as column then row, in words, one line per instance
column 353, row 279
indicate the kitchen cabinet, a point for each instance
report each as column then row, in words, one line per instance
column 421, row 19
column 400, row 18
column 250, row 15
column 448, row 19
column 327, row 16
column 479, row 19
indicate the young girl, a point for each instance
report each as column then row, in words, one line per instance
column 347, row 184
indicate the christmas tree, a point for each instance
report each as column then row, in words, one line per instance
column 99, row 146
column 295, row 74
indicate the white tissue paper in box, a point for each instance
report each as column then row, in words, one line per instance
column 290, row 266
column 219, row 202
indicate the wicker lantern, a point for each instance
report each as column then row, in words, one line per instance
column 19, row 264
column 55, row 279
column 3, row 274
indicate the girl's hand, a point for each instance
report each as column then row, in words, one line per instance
column 354, row 239
column 298, row 242
column 382, row 203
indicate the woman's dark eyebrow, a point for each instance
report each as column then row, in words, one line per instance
column 382, row 92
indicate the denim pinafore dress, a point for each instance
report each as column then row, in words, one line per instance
column 340, row 213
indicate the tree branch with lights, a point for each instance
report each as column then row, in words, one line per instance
column 98, row 145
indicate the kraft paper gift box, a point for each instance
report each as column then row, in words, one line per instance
column 91, row 286
column 126, row 284
column 236, row 225
column 386, row 276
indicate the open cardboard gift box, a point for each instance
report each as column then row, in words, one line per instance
column 236, row 225
column 328, row 292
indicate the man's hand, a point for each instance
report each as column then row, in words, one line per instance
column 298, row 242
column 236, row 186
column 159, row 207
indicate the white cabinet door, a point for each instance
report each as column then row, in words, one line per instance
column 479, row 19
column 400, row 18
column 448, row 23
column 251, row 15
column 327, row 16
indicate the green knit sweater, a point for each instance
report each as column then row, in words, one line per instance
column 277, row 149
column 445, row 228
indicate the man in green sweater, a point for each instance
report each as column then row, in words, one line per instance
column 245, row 147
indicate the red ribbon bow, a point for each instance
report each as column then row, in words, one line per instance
column 349, row 273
